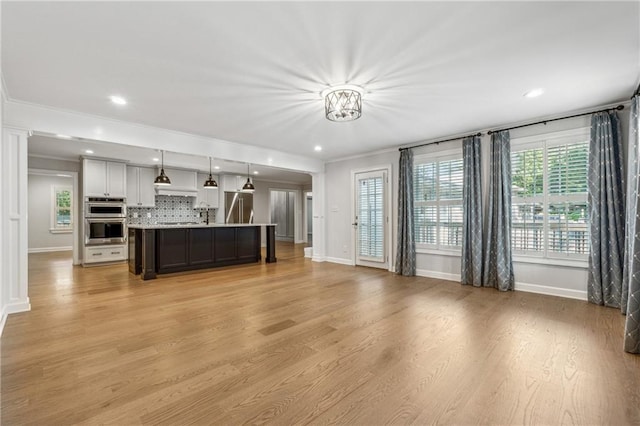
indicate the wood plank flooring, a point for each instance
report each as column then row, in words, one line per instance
column 299, row 342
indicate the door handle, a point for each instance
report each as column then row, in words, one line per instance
column 355, row 223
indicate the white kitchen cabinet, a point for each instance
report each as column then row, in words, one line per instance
column 186, row 180
column 140, row 189
column 232, row 183
column 206, row 198
column 104, row 178
column 98, row 254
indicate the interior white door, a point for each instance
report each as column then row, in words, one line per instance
column 371, row 218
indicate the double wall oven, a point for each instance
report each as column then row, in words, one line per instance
column 105, row 221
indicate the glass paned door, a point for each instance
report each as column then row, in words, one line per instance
column 371, row 218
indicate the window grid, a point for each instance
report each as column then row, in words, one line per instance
column 438, row 202
column 550, row 220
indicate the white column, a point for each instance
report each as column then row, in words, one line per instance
column 319, row 217
column 14, row 174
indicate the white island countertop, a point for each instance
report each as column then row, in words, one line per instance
column 196, row 225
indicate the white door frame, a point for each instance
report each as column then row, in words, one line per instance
column 388, row 201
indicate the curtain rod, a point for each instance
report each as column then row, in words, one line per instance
column 619, row 108
column 437, row 142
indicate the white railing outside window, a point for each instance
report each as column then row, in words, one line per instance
column 549, row 216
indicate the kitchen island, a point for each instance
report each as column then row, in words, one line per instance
column 163, row 249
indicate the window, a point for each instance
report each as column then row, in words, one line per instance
column 437, row 195
column 62, row 217
column 549, row 196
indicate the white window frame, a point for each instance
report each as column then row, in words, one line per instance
column 447, row 250
column 546, row 141
column 55, row 228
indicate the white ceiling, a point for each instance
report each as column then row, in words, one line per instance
column 252, row 72
column 73, row 149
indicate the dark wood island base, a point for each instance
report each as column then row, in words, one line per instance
column 164, row 250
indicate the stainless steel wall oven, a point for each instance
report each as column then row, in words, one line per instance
column 105, row 207
column 101, row 231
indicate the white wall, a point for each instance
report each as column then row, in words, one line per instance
column 40, row 214
column 339, row 206
column 52, row 164
column 3, row 259
column 567, row 281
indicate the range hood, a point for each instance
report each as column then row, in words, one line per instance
column 177, row 192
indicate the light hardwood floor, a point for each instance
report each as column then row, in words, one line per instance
column 302, row 342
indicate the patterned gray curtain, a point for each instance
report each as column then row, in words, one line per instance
column 606, row 211
column 406, row 250
column 471, row 271
column 498, row 264
column 630, row 303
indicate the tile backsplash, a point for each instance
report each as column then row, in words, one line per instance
column 169, row 209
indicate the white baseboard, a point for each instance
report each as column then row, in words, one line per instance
column 529, row 288
column 299, row 241
column 340, row 260
column 437, row 274
column 49, row 249
column 551, row 291
column 13, row 308
column 318, row 258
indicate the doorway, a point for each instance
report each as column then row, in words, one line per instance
column 282, row 206
column 53, row 212
column 371, row 217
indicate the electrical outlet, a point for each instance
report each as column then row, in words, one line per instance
column 344, row 248
column 149, row 215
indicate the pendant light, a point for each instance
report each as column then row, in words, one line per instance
column 248, row 187
column 210, row 183
column 162, row 179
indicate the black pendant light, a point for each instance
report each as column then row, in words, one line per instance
column 162, row 179
column 248, row 187
column 210, row 183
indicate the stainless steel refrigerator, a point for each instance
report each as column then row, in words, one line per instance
column 238, row 207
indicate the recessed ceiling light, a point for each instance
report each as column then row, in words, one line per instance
column 118, row 100
column 88, row 151
column 60, row 175
column 216, row 167
column 63, row 136
column 534, row 93
column 318, row 148
column 255, row 172
column 156, row 159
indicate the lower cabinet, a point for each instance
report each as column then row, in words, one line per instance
column 172, row 249
column 194, row 248
column 200, row 246
column 110, row 253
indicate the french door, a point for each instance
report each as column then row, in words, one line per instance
column 371, row 218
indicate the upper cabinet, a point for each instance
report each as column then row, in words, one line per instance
column 140, row 189
column 104, row 178
column 232, row 183
column 206, row 198
column 182, row 179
